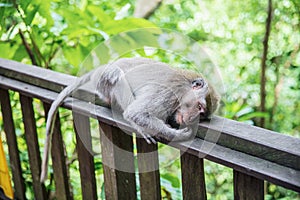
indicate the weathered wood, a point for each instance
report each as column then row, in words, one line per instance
column 193, row 181
column 252, row 140
column 32, row 146
column 62, row 188
column 148, row 166
column 118, row 163
column 251, row 165
column 13, row 150
column 46, row 78
column 85, row 156
column 247, row 187
column 35, row 76
column 255, row 141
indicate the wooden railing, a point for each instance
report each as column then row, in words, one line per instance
column 255, row 155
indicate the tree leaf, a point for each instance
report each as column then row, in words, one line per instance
column 253, row 115
column 75, row 54
column 172, row 179
column 133, row 40
column 99, row 13
column 30, row 13
column 20, row 53
column 118, row 26
column 7, row 50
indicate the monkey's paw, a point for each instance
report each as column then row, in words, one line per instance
column 183, row 134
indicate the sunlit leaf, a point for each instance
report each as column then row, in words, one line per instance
column 99, row 13
column 252, row 115
column 20, row 53
column 244, row 111
column 114, row 27
column 30, row 13
column 173, row 179
column 24, row 4
column 7, row 50
column 76, row 54
column 45, row 11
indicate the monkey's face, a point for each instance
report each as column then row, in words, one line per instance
column 193, row 103
column 189, row 113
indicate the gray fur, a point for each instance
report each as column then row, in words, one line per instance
column 146, row 93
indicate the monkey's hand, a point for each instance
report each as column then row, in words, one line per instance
column 181, row 134
column 149, row 126
column 147, row 136
column 166, row 133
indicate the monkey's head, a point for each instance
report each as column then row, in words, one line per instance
column 193, row 103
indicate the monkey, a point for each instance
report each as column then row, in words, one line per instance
column 147, row 94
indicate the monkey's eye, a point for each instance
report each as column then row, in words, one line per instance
column 198, row 83
column 199, row 106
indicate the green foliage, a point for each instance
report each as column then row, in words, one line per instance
column 234, row 32
column 218, row 181
column 58, row 33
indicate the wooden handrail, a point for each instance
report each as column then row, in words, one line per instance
column 254, row 153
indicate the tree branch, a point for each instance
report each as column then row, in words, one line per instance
column 280, row 82
column 145, row 8
column 37, row 50
column 27, row 47
column 263, row 63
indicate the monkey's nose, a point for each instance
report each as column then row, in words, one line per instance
column 203, row 115
column 202, row 110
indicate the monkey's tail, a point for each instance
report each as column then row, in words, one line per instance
column 52, row 117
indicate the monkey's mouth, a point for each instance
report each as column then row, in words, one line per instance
column 203, row 113
column 192, row 119
column 189, row 119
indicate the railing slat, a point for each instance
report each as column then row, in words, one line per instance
column 247, row 187
column 11, row 138
column 193, row 181
column 148, row 165
column 118, row 163
column 252, row 140
column 238, row 136
column 85, row 157
column 254, row 165
column 62, row 188
column 33, row 147
column 45, row 78
column 257, row 167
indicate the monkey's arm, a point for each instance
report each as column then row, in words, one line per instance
column 146, row 122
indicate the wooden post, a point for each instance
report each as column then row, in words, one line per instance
column 85, row 158
column 148, row 170
column 33, row 147
column 193, row 181
column 62, row 189
column 11, row 138
column 118, row 163
column 247, row 187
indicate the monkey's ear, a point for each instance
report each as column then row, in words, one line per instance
column 213, row 101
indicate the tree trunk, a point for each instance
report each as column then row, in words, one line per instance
column 145, row 8
column 263, row 63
